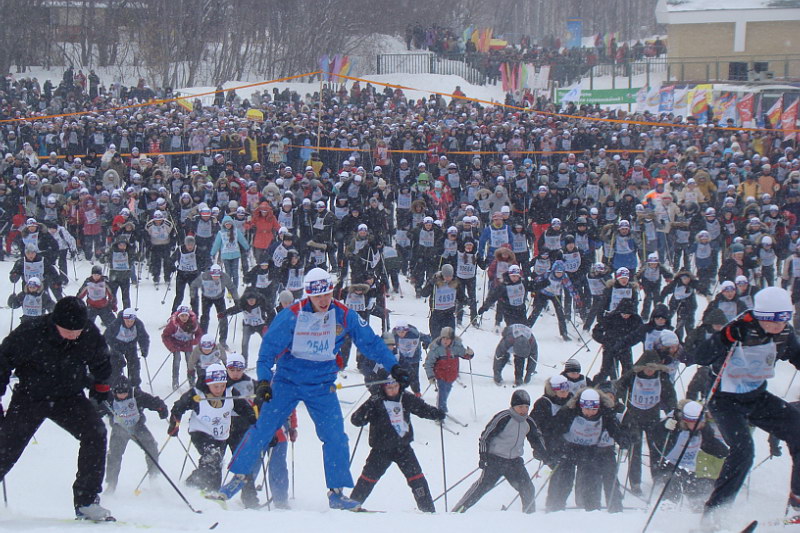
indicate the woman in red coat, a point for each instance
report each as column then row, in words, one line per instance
column 181, row 334
column 266, row 226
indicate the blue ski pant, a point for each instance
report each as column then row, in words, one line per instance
column 323, row 407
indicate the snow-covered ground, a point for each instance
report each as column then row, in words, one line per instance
column 40, row 496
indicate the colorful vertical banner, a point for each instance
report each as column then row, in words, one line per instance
column 745, row 107
column 641, row 100
column 775, row 112
column 680, row 101
column 725, row 106
column 332, row 66
column 574, row 33
column 701, row 100
column 666, row 102
column 789, row 121
column 653, row 100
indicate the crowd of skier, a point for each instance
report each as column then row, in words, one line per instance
column 626, row 232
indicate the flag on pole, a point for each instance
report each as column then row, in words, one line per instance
column 745, row 108
column 774, row 113
column 789, row 121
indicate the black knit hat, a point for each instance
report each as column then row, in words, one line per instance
column 572, row 366
column 520, row 397
column 70, row 313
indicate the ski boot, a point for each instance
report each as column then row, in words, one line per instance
column 93, row 512
column 337, row 500
column 232, row 487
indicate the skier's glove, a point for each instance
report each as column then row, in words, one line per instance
column 263, row 393
column 162, row 413
column 293, row 435
column 100, row 393
column 174, row 426
column 671, row 424
column 439, row 415
column 402, row 376
column 733, row 332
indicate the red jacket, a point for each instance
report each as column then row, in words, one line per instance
column 266, row 226
column 179, row 337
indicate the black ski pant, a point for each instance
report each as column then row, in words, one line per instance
column 159, row 255
column 183, row 280
column 247, row 332
column 589, row 483
column 539, row 303
column 219, row 305
column 652, row 296
column 467, row 293
column 412, row 365
column 734, row 413
column 117, row 444
column 208, row 474
column 496, row 467
column 123, row 283
column 379, row 460
column 594, row 310
column 611, row 486
column 125, row 356
column 105, row 313
column 441, row 319
column 78, row 416
column 686, row 484
column 191, row 376
column 519, row 367
column 635, row 424
column 608, row 368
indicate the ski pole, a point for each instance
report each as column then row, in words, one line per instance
column 164, row 299
column 541, row 465
column 147, row 452
column 265, row 470
column 355, row 447
column 790, row 384
column 596, row 355
column 457, row 483
column 472, row 386
column 158, row 370
column 457, row 421
column 178, row 438
column 5, row 493
column 136, row 491
column 181, row 384
column 692, row 433
column 11, row 324
column 444, row 465
column 293, row 470
column 339, row 386
column 149, row 379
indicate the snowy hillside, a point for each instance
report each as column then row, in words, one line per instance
column 40, row 496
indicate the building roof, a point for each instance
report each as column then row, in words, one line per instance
column 713, row 5
column 738, row 11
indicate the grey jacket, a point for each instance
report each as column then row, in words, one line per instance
column 505, row 435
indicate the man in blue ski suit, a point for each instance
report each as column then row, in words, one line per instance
column 303, row 341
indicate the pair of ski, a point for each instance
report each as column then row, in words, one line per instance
column 449, row 429
column 222, row 501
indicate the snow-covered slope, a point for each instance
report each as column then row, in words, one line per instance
column 40, row 496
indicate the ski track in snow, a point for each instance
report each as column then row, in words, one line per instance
column 40, row 494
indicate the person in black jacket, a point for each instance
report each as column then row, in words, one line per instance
column 50, row 356
column 255, row 314
column 616, row 331
column 645, row 390
column 127, row 421
column 500, row 449
column 584, row 424
column 674, row 432
column 389, row 415
column 556, row 395
column 122, row 336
